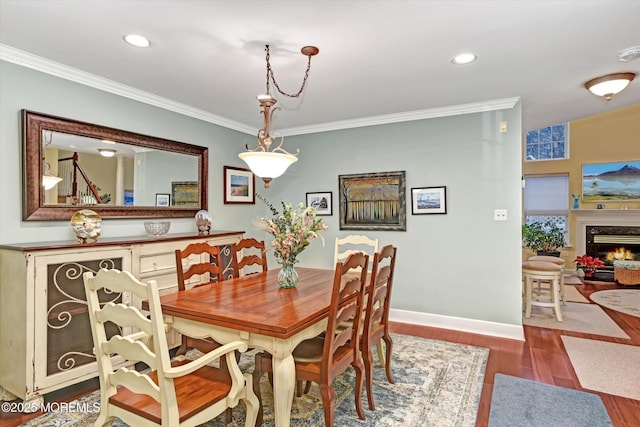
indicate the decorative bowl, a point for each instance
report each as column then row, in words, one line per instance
column 157, row 228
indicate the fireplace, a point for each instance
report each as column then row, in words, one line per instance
column 611, row 243
column 600, row 232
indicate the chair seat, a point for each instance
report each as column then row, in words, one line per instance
column 189, row 395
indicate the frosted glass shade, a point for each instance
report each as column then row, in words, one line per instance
column 50, row 181
column 267, row 164
column 609, row 85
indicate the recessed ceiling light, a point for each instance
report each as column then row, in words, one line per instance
column 137, row 40
column 464, row 58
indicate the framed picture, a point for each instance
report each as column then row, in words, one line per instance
column 603, row 182
column 185, row 193
column 128, row 197
column 163, row 199
column 239, row 185
column 429, row 200
column 373, row 201
column 322, row 201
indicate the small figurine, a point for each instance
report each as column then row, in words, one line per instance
column 203, row 222
column 576, row 198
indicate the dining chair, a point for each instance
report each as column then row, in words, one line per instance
column 354, row 243
column 248, row 263
column 323, row 358
column 202, row 260
column 376, row 322
column 168, row 393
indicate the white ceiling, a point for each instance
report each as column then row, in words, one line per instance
column 376, row 57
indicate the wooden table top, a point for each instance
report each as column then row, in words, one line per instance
column 256, row 303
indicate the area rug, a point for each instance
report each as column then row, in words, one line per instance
column 626, row 301
column 619, row 375
column 437, row 383
column 572, row 280
column 587, row 318
column 518, row 402
column 573, row 295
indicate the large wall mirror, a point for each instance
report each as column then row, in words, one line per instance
column 70, row 165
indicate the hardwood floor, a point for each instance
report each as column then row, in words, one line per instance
column 541, row 358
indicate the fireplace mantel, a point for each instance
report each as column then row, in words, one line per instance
column 622, row 217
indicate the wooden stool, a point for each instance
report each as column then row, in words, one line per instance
column 544, row 272
column 555, row 260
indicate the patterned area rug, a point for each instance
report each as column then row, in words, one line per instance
column 619, row 375
column 437, row 384
column 626, row 301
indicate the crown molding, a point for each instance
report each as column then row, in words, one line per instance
column 454, row 110
column 24, row 59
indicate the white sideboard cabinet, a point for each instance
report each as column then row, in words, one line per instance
column 45, row 336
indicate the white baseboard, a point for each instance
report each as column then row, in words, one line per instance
column 501, row 330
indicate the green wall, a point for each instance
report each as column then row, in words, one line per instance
column 460, row 270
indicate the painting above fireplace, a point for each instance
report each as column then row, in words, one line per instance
column 611, row 181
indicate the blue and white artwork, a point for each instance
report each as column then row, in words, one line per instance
column 618, row 181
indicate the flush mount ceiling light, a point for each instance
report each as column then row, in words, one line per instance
column 137, row 40
column 609, row 85
column 106, row 152
column 266, row 162
column 464, row 58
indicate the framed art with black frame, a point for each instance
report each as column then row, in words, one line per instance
column 322, row 201
column 163, row 199
column 429, row 200
column 239, row 185
column 373, row 201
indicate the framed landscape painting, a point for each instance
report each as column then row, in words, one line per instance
column 429, row 200
column 618, row 181
column 373, row 201
column 185, row 193
column 239, row 184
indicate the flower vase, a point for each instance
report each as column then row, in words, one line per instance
column 288, row 276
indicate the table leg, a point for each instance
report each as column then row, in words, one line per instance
column 284, row 381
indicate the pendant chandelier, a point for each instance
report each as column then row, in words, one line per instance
column 263, row 160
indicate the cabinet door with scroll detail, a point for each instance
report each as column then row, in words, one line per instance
column 63, row 342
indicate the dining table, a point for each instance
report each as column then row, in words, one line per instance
column 256, row 310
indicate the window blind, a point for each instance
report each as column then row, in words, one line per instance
column 546, row 195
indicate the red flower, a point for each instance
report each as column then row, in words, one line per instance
column 588, row 263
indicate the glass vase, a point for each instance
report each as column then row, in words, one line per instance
column 288, row 276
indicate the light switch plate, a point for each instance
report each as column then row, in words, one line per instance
column 500, row 215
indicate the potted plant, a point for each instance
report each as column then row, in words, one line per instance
column 544, row 238
column 588, row 264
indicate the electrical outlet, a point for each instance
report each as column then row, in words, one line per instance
column 500, row 215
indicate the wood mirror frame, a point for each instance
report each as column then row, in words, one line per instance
column 33, row 203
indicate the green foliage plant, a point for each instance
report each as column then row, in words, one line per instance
column 543, row 237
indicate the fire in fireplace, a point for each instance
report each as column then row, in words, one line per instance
column 611, row 243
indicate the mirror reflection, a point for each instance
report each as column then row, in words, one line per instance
column 90, row 171
column 70, row 165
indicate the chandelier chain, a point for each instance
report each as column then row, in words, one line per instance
column 275, row 83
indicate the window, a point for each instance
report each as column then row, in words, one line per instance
column 546, row 198
column 548, row 143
